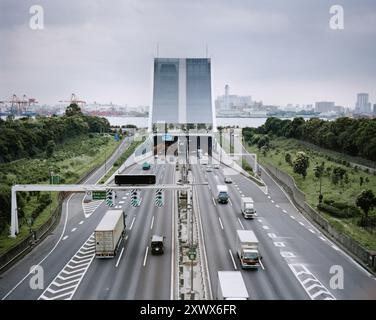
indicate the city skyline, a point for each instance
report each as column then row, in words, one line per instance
column 278, row 53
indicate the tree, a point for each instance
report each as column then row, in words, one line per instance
column 50, row 148
column 338, row 174
column 263, row 141
column 288, row 158
column 366, row 200
column 72, row 110
column 361, row 181
column 301, row 164
column 319, row 172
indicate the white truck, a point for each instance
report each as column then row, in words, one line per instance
column 247, row 248
column 231, row 286
column 222, row 194
column 109, row 232
column 247, row 207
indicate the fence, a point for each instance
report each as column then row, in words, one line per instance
column 362, row 255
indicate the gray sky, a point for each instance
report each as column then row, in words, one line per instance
column 277, row 51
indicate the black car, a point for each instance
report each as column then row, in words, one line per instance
column 157, row 244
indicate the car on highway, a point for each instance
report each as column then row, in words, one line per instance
column 209, row 168
column 216, row 166
column 157, row 244
column 228, row 180
column 146, row 166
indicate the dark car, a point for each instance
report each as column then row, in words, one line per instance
column 157, row 244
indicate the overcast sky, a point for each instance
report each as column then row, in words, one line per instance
column 276, row 51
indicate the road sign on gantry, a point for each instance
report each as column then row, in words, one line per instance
column 135, row 179
column 110, row 197
column 99, row 195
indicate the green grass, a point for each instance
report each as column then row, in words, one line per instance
column 121, row 160
column 343, row 192
column 71, row 160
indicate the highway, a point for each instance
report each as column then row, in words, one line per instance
column 296, row 263
column 297, row 258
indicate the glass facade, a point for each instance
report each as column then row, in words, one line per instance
column 166, row 90
column 199, row 100
column 182, row 91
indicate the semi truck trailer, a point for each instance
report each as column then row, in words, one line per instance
column 231, row 286
column 109, row 233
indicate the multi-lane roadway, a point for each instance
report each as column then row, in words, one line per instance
column 299, row 262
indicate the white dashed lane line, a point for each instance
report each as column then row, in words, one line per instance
column 266, row 227
column 277, row 206
column 232, row 258
column 74, row 229
column 65, row 237
column 220, row 222
column 284, row 211
column 81, row 222
column 241, row 224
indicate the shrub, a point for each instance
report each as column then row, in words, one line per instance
column 338, row 210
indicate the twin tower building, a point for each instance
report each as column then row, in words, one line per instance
column 182, row 92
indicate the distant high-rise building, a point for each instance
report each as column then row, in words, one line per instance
column 230, row 101
column 324, row 106
column 362, row 105
column 374, row 109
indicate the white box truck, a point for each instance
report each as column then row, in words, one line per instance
column 247, row 207
column 247, row 248
column 222, row 194
column 109, row 233
column 231, row 286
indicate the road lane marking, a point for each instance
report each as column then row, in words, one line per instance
column 311, row 285
column 241, row 224
column 284, row 211
column 81, row 222
column 277, row 206
column 229, row 200
column 220, row 222
column 121, row 202
column 272, row 235
column 335, row 247
column 292, row 217
column 76, row 269
column 146, row 255
column 89, row 207
column 132, row 223
column 272, row 201
column 74, row 229
column 301, row 223
column 266, row 227
column 214, row 202
column 118, row 261
column 310, row 230
column 287, row 254
column 66, row 237
column 279, row 244
column 232, row 258
column 322, row 238
column 261, row 264
column 124, row 198
column 269, row 197
column 259, row 220
column 152, row 223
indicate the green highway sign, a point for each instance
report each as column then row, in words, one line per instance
column 99, row 195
